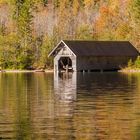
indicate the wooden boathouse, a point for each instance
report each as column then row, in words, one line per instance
column 92, row 55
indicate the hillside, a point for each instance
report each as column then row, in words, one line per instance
column 30, row 28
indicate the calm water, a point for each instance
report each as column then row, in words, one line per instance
column 96, row 106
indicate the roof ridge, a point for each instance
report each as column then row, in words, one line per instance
column 96, row 40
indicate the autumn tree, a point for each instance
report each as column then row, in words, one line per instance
column 38, row 25
column 84, row 32
column 135, row 16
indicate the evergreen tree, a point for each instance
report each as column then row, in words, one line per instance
column 23, row 16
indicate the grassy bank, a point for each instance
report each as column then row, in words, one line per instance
column 132, row 66
column 126, row 70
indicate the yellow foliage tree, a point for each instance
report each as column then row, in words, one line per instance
column 75, row 6
column 88, row 3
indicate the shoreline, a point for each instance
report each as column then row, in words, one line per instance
column 51, row 71
column 129, row 71
column 27, row 71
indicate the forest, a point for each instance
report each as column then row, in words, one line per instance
column 29, row 29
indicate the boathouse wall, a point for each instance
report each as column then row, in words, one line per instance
column 102, row 63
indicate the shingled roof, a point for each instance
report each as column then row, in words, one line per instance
column 101, row 48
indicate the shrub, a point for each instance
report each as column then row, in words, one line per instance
column 137, row 62
column 130, row 64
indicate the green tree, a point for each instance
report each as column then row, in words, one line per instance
column 44, row 46
column 130, row 64
column 2, row 29
column 136, row 10
column 45, row 2
column 56, row 3
column 7, row 51
column 23, row 16
column 137, row 62
column 84, row 32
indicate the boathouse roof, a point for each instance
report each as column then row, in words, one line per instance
column 97, row 48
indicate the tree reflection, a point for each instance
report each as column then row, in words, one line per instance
column 85, row 106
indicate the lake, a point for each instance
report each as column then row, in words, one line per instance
column 78, row 106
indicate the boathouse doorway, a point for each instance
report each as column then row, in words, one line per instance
column 65, row 64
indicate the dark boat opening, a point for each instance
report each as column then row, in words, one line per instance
column 65, row 64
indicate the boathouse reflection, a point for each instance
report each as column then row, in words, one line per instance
column 65, row 91
column 65, row 86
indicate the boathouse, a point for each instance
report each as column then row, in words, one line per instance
column 92, row 55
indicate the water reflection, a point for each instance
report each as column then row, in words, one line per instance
column 65, row 86
column 65, row 91
column 112, row 97
column 90, row 106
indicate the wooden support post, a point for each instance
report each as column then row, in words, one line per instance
column 67, row 68
column 101, row 70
